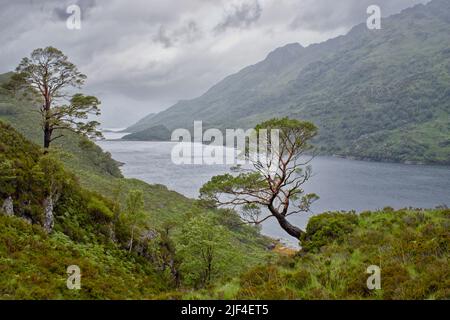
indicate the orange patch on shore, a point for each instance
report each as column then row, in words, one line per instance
column 285, row 250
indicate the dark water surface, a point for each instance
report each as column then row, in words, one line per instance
column 341, row 184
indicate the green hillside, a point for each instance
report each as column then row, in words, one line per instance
column 92, row 230
column 83, row 155
column 132, row 240
column 93, row 223
column 33, row 262
column 411, row 248
column 33, row 266
column 375, row 94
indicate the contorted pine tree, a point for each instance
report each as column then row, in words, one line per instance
column 274, row 183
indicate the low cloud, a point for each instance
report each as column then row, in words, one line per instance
column 240, row 15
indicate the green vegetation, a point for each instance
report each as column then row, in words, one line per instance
column 205, row 246
column 410, row 246
column 69, row 205
column 182, row 251
column 374, row 94
column 81, row 155
column 33, row 266
column 274, row 181
column 135, row 213
column 96, row 213
column 33, row 261
column 47, row 75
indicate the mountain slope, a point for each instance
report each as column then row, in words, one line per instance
column 92, row 225
column 33, row 261
column 337, row 248
column 85, row 156
column 141, row 124
column 375, row 94
column 156, row 133
column 410, row 247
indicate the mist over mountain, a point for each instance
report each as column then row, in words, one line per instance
column 375, row 94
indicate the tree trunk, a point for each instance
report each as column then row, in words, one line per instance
column 174, row 272
column 292, row 230
column 208, row 278
column 47, row 137
column 132, row 239
column 46, row 125
column 289, row 228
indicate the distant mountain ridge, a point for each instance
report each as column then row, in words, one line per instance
column 375, row 94
column 156, row 133
column 141, row 124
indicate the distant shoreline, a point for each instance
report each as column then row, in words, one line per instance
column 349, row 157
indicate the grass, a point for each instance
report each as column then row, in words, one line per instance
column 410, row 246
column 33, row 266
column 93, row 190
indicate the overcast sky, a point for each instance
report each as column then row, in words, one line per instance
column 142, row 56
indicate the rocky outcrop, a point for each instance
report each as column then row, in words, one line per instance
column 48, row 214
column 8, row 207
column 149, row 235
column 142, row 246
column 48, row 204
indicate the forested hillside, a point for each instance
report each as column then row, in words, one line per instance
column 375, row 94
column 132, row 240
column 72, row 207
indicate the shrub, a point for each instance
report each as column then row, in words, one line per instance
column 99, row 212
column 264, row 282
column 300, row 278
column 328, row 227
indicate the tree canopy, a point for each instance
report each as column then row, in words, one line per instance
column 274, row 182
column 52, row 77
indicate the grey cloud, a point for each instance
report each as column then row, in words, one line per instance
column 189, row 32
column 85, row 6
column 163, row 38
column 143, row 55
column 241, row 16
column 324, row 15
